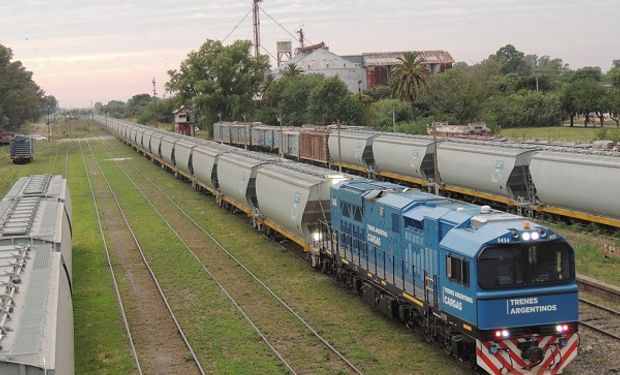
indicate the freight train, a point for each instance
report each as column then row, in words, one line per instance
column 494, row 289
column 574, row 184
column 36, row 310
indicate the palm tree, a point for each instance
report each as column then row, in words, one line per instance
column 409, row 79
column 291, row 70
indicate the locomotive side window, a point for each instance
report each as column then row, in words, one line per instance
column 457, row 270
column 519, row 265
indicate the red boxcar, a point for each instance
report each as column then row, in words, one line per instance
column 313, row 145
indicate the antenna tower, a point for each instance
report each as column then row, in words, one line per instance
column 154, row 88
column 256, row 16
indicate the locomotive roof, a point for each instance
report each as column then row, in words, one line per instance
column 472, row 225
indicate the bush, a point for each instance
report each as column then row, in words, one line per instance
column 381, row 113
column 525, row 109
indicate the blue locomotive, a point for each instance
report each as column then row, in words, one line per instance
column 492, row 288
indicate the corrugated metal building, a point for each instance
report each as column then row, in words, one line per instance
column 321, row 60
column 379, row 65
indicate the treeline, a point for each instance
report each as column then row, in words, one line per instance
column 508, row 89
column 21, row 99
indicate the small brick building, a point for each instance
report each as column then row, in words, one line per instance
column 183, row 121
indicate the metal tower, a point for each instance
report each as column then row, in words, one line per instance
column 301, row 36
column 154, row 88
column 256, row 16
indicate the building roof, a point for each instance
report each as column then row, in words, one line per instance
column 391, row 58
column 318, row 59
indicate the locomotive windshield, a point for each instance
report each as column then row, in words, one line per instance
column 521, row 265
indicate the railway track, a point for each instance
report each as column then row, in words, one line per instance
column 601, row 319
column 199, row 241
column 66, row 174
column 157, row 339
column 117, row 292
column 54, row 163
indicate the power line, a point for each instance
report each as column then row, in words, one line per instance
column 279, row 24
column 269, row 53
column 237, row 25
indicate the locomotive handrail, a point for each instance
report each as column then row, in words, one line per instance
column 353, row 253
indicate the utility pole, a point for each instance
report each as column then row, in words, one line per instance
column 393, row 120
column 435, row 161
column 281, row 120
column 256, row 17
column 49, row 125
column 339, row 148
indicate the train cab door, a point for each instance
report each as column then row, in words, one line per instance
column 430, row 289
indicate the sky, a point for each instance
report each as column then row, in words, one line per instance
column 85, row 51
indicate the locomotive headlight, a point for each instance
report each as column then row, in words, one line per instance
column 535, row 236
column 526, row 236
column 336, row 178
column 561, row 328
column 502, row 334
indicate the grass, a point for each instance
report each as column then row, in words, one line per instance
column 375, row 343
column 76, row 129
column 223, row 340
column 561, row 133
column 590, row 260
column 100, row 344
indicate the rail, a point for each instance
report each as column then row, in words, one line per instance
column 107, row 253
column 150, row 270
column 314, row 332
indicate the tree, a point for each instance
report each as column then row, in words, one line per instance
column 568, row 101
column 590, row 96
column 615, row 64
column 20, row 97
column 409, row 79
column 384, row 112
column 527, row 108
column 136, row 104
column 512, row 60
column 614, row 105
column 219, row 80
column 292, row 70
column 593, row 73
column 614, row 77
column 158, row 111
column 462, row 94
column 288, row 97
column 49, row 103
column 114, row 108
column 330, row 102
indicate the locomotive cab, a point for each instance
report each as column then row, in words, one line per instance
column 527, row 303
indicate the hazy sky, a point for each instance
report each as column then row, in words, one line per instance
column 86, row 50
